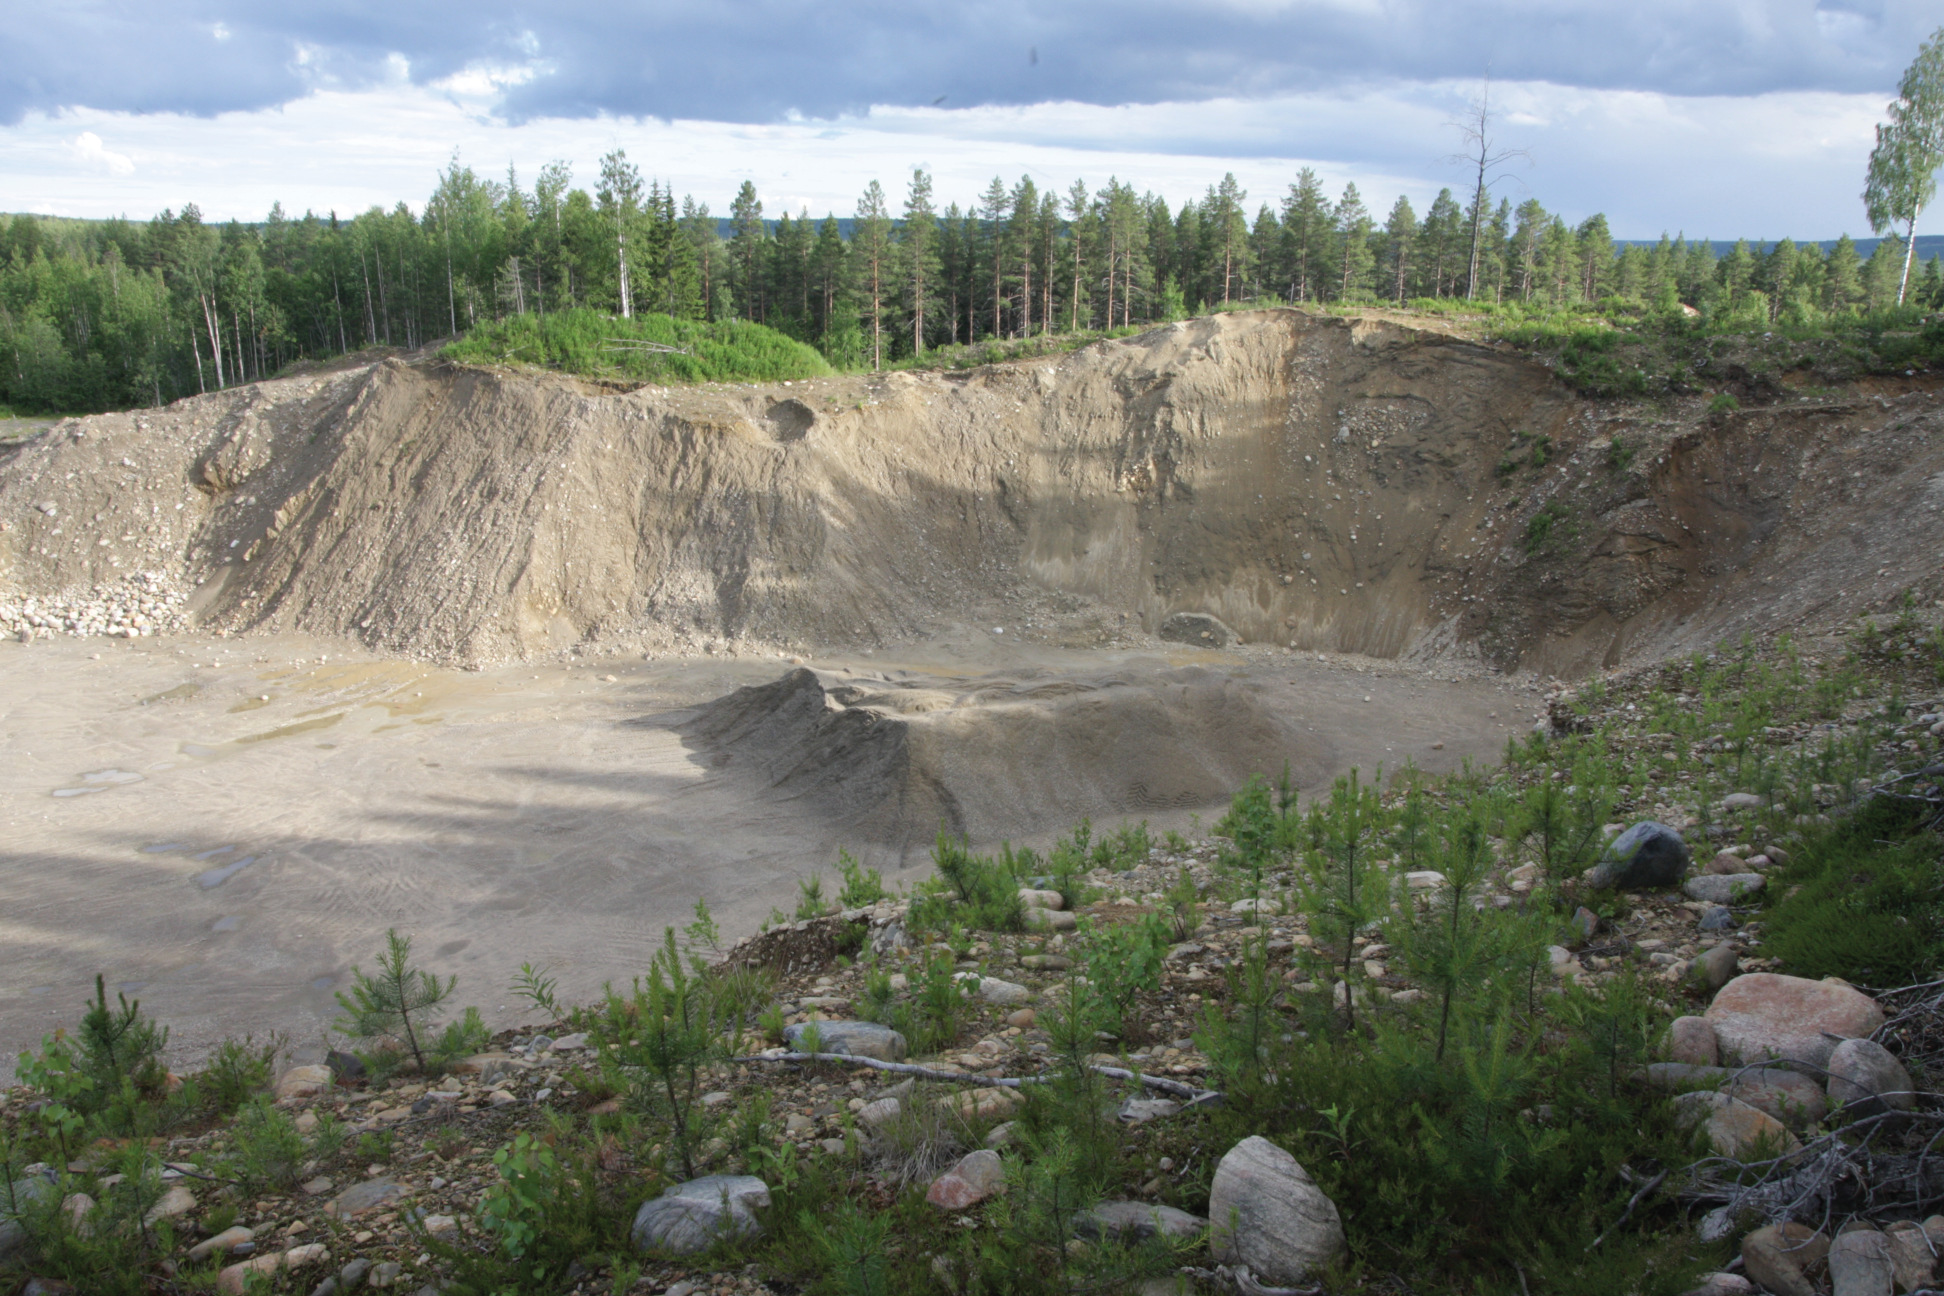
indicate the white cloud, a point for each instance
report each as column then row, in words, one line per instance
column 1764, row 166
column 96, row 155
column 220, row 31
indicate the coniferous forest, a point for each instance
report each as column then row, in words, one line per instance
column 97, row 315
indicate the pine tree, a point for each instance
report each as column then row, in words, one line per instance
column 1400, row 235
column 399, row 999
column 1306, row 224
column 1230, row 230
column 871, row 248
column 992, row 230
column 1842, row 278
column 1353, row 239
column 1595, row 256
column 1442, row 240
column 1083, row 225
column 746, row 250
column 919, row 236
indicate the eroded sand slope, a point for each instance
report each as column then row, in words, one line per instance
column 1313, row 481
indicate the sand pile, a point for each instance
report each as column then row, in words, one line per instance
column 1344, row 485
column 891, row 761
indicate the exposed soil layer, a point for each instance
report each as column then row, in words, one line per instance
column 1354, row 486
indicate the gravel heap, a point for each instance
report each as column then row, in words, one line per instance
column 137, row 606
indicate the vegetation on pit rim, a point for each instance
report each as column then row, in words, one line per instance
column 1494, row 1098
column 593, row 344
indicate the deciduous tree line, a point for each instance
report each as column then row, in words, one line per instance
column 95, row 315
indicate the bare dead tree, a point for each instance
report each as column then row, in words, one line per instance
column 1481, row 153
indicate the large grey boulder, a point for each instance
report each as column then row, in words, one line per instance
column 1865, row 1079
column 851, row 1038
column 1265, row 1211
column 692, row 1216
column 1647, row 857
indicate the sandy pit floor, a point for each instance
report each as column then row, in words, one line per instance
column 223, row 827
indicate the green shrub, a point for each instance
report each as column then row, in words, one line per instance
column 1123, row 961
column 266, row 1152
column 861, row 887
column 1863, row 901
column 592, row 343
column 810, row 897
column 973, row 890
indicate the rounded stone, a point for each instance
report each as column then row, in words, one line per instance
column 1648, row 856
column 691, row 1216
column 1267, row 1213
column 1866, row 1078
column 1692, row 1040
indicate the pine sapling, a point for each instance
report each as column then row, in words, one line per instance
column 400, row 998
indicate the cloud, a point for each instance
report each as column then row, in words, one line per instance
column 761, row 60
column 96, row 156
column 1783, row 163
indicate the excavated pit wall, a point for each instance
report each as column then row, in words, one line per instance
column 1318, row 482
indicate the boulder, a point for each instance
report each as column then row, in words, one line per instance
column 304, row 1082
column 362, row 1198
column 1715, row 968
column 1726, row 862
column 1199, row 629
column 1131, row 1221
column 1648, row 856
column 1865, row 1078
column 1685, row 1075
column 1789, row 1096
column 1007, row 993
column 1722, row 1284
column 1042, row 899
column 234, row 1279
column 1782, row 1256
column 1763, row 1015
column 1735, row 1129
column 852, row 1038
column 1724, row 888
column 175, row 1202
column 1910, row 1255
column 1692, row 1040
column 972, row 1179
column 1860, row 1264
column 221, row 1244
column 1267, row 1213
column 879, row 1113
column 1059, row 920
column 1138, row 1111
column 691, row 1216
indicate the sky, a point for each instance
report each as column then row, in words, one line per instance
column 1721, row 119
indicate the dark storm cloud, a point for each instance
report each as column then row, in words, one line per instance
column 758, row 61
